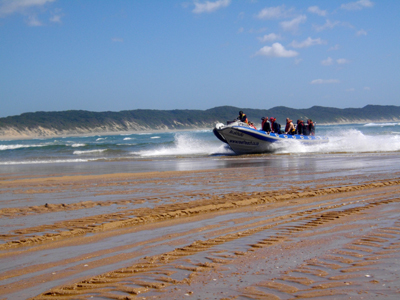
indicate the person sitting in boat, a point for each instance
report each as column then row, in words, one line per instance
column 300, row 127
column 242, row 117
column 289, row 128
column 251, row 124
column 266, row 125
column 276, row 127
column 310, row 127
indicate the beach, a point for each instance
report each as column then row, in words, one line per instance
column 269, row 226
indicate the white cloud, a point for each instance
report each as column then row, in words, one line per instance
column 293, row 25
column 240, row 30
column 334, row 48
column 8, row 7
column 323, row 81
column 327, row 62
column 274, row 13
column 208, row 6
column 307, row 43
column 361, row 32
column 270, row 37
column 317, row 10
column 55, row 19
column 33, row 21
column 328, row 25
column 357, row 5
column 367, row 88
column 297, row 61
column 342, row 61
column 351, row 90
column 56, row 16
column 117, row 40
column 276, row 50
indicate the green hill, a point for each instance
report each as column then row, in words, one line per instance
column 79, row 121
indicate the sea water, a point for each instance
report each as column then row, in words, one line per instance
column 181, row 145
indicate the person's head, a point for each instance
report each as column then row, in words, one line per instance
column 287, row 120
column 240, row 113
column 272, row 119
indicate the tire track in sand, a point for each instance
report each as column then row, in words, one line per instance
column 159, row 272
column 82, row 226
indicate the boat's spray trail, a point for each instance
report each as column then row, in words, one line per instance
column 349, row 141
column 186, row 144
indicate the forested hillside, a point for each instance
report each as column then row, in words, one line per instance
column 80, row 122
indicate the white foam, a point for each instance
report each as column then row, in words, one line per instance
column 78, row 145
column 89, row 151
column 155, row 137
column 57, row 161
column 349, row 141
column 380, row 124
column 19, row 146
column 184, row 144
column 128, row 138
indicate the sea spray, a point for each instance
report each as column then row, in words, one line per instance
column 187, row 143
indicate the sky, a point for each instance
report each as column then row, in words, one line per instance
column 115, row 55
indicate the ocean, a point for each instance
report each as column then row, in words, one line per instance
column 175, row 150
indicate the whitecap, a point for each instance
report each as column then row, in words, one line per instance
column 18, row 146
column 380, row 124
column 89, row 151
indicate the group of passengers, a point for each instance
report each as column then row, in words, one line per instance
column 270, row 125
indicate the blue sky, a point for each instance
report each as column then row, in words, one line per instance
column 114, row 55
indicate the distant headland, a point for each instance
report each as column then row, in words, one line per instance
column 78, row 122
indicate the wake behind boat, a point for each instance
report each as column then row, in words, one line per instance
column 244, row 139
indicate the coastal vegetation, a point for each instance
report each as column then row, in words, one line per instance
column 82, row 122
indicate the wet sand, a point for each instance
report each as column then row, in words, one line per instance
column 249, row 227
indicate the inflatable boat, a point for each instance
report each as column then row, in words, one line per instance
column 244, row 139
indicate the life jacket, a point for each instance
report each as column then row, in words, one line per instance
column 272, row 121
column 287, row 127
column 243, row 118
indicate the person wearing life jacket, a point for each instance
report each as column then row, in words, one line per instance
column 272, row 121
column 242, row 117
column 300, row 127
column 289, row 128
column 266, row 125
column 252, row 125
column 276, row 127
column 310, row 127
